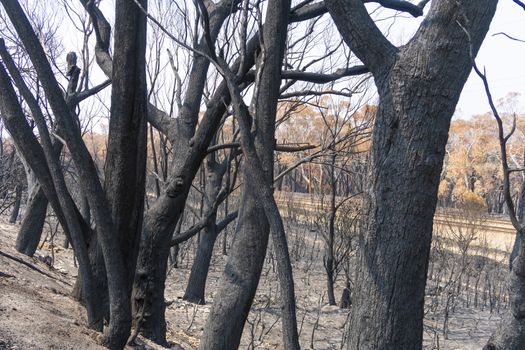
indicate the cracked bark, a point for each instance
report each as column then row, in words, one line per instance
column 419, row 86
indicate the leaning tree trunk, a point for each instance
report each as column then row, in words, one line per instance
column 240, row 277
column 125, row 168
column 52, row 183
column 16, row 206
column 510, row 334
column 199, row 271
column 32, row 222
column 243, row 269
column 120, row 320
column 35, row 215
column 419, row 86
column 329, row 240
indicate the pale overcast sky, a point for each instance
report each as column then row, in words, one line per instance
column 504, row 60
column 502, row 57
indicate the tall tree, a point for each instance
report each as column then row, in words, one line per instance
column 243, row 269
column 132, row 50
column 510, row 334
column 126, row 150
column 419, row 85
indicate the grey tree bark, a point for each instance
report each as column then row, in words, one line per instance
column 243, row 269
column 329, row 241
column 52, row 184
column 419, row 85
column 32, row 223
column 195, row 288
column 120, row 318
column 16, row 207
column 510, row 334
column 125, row 167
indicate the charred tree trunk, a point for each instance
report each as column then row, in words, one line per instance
column 99, row 284
column 126, row 153
column 521, row 217
column 49, row 177
column 16, row 206
column 196, row 286
column 161, row 219
column 419, row 86
column 240, row 277
column 510, row 334
column 32, row 222
column 120, row 318
column 329, row 248
column 243, row 269
column 35, row 215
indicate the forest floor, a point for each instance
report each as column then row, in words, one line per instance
column 36, row 311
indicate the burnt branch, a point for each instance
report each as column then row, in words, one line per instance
column 520, row 4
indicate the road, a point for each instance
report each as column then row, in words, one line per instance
column 484, row 231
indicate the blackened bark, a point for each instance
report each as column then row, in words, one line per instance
column 196, row 286
column 242, row 272
column 32, row 222
column 419, row 86
column 346, row 300
column 120, row 320
column 329, row 248
column 521, row 218
column 161, row 219
column 16, row 206
column 126, row 153
column 510, row 334
column 35, row 215
column 100, row 283
column 240, row 277
column 50, row 180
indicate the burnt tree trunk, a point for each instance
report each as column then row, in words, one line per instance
column 162, row 217
column 49, row 177
column 32, row 222
column 419, row 85
column 120, row 318
column 240, row 277
column 245, row 261
column 195, row 289
column 329, row 241
column 125, row 169
column 510, row 334
column 16, row 206
column 196, row 286
column 35, row 215
column 521, row 216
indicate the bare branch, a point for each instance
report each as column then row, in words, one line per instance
column 289, row 148
column 403, row 6
column 503, row 149
column 306, row 11
column 315, row 93
column 362, row 35
column 320, row 78
column 510, row 37
column 81, row 96
column 521, row 4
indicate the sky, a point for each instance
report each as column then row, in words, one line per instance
column 503, row 59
